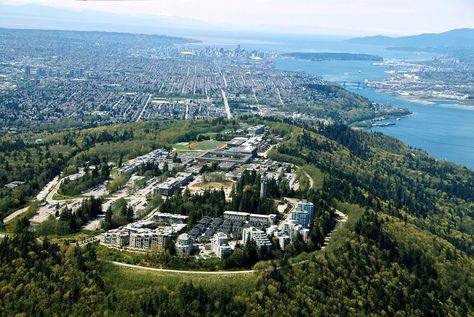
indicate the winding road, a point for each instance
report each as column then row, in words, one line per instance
column 310, row 179
column 146, row 268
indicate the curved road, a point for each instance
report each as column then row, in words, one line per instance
column 146, row 268
column 310, row 179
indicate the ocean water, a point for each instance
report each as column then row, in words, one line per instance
column 444, row 130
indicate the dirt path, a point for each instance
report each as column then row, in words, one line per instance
column 145, row 268
column 310, row 179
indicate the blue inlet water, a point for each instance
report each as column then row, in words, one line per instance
column 444, row 130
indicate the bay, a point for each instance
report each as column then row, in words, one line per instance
column 444, row 130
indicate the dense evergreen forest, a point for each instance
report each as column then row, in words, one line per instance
column 245, row 194
column 406, row 250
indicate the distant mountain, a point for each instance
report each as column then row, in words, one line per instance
column 334, row 56
column 33, row 16
column 453, row 38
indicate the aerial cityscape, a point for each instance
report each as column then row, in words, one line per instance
column 163, row 81
column 184, row 159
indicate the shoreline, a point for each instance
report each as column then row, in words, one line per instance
column 445, row 103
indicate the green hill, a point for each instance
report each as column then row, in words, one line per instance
column 406, row 249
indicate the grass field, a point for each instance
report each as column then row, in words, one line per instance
column 198, row 146
column 111, row 254
column 182, row 146
column 73, row 237
column 206, row 145
column 62, row 197
column 316, row 175
column 126, row 279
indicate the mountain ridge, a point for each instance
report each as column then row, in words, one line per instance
column 458, row 37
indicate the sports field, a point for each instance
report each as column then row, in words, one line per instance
column 199, row 146
column 206, row 145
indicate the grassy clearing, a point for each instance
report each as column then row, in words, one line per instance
column 111, row 254
column 353, row 212
column 73, row 237
column 316, row 174
column 62, row 197
column 182, row 146
column 125, row 279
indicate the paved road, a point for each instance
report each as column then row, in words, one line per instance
column 226, row 105
column 144, row 108
column 41, row 195
column 15, row 214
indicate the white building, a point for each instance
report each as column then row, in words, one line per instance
column 303, row 214
column 236, row 215
column 145, row 239
column 117, row 238
column 255, row 219
column 259, row 129
column 169, row 218
column 184, row 244
column 290, row 232
column 168, row 187
column 220, row 244
column 260, row 238
column 142, row 235
column 264, row 220
column 283, row 240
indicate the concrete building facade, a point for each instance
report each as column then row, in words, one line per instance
column 303, row 214
column 260, row 238
column 220, row 244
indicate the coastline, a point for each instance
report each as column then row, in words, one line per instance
column 433, row 126
column 446, row 103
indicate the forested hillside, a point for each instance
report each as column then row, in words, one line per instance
column 406, row 249
column 382, row 173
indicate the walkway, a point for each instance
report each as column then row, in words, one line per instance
column 145, row 268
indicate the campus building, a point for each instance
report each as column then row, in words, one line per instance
column 303, row 214
column 259, row 129
column 142, row 235
column 184, row 245
column 220, row 244
column 260, row 238
column 254, row 219
column 169, row 218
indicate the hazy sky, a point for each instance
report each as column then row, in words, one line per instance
column 344, row 17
